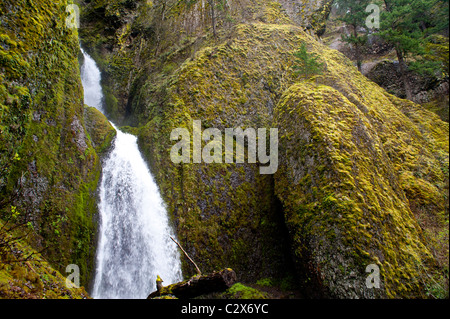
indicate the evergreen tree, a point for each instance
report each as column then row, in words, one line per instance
column 214, row 6
column 407, row 25
column 306, row 63
column 355, row 18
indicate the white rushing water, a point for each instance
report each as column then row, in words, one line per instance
column 134, row 245
column 90, row 78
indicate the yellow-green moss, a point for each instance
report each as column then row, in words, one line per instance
column 240, row 291
column 349, row 120
column 27, row 275
column 100, row 130
column 56, row 168
column 357, row 213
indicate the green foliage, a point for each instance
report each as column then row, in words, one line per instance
column 306, row 64
column 408, row 25
column 240, row 291
column 355, row 17
column 265, row 282
column 437, row 50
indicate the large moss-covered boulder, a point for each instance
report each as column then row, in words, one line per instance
column 343, row 201
column 350, row 184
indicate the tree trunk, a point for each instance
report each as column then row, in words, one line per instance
column 357, row 48
column 403, row 69
column 199, row 285
column 213, row 17
column 387, row 5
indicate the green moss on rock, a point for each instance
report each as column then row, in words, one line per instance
column 54, row 178
column 344, row 205
column 99, row 128
column 240, row 291
column 25, row 274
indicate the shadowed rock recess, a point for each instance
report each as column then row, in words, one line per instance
column 362, row 177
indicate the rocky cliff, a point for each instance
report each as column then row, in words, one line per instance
column 49, row 164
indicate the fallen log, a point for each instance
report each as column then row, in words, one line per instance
column 198, row 285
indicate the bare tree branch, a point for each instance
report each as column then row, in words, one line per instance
column 198, row 270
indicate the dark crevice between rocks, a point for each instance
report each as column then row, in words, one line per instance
column 288, row 271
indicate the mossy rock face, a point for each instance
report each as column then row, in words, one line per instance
column 99, row 128
column 424, row 87
column 350, row 184
column 225, row 214
column 344, row 206
column 144, row 44
column 53, row 178
column 25, row 274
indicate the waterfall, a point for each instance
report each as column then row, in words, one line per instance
column 90, row 78
column 134, row 244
